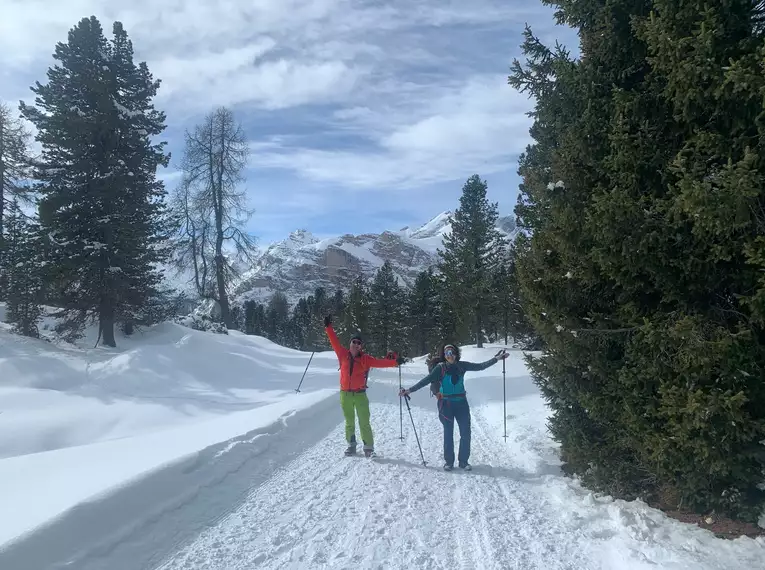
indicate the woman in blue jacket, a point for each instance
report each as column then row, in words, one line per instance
column 447, row 381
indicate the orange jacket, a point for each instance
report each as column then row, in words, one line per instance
column 354, row 371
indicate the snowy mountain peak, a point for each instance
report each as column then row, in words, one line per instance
column 438, row 226
column 302, row 237
column 299, row 264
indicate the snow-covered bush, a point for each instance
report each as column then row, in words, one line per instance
column 202, row 323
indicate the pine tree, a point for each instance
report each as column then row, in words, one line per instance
column 568, row 299
column 337, row 307
column 15, row 165
column 386, row 310
column 641, row 264
column 15, row 161
column 277, row 319
column 470, row 255
column 319, row 306
column 249, row 317
column 302, row 322
column 101, row 203
column 237, row 317
column 422, row 310
column 22, row 267
column 254, row 318
column 356, row 317
column 453, row 328
column 508, row 317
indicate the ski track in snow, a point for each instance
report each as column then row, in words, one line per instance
column 513, row 510
column 325, row 510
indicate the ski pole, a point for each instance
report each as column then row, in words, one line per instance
column 415, row 430
column 306, row 370
column 400, row 405
column 504, row 397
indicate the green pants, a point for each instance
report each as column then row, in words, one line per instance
column 357, row 403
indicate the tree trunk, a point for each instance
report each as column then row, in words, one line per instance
column 478, row 328
column 505, row 319
column 2, row 214
column 2, row 181
column 106, row 321
column 225, row 311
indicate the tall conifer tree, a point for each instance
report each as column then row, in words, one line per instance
column 386, row 310
column 102, row 205
column 422, row 310
column 470, row 255
column 22, row 267
column 641, row 264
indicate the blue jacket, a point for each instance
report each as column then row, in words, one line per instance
column 453, row 382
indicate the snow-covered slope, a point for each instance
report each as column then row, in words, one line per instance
column 299, row 264
column 76, row 422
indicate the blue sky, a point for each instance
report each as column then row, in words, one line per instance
column 362, row 115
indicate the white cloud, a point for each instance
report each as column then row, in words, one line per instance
column 239, row 75
column 350, row 94
column 478, row 127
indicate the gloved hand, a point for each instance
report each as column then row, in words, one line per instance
column 502, row 354
column 403, row 393
column 327, row 320
column 400, row 360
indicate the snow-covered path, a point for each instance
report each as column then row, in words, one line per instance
column 282, row 495
column 324, row 510
column 513, row 511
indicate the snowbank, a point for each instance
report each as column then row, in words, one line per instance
column 77, row 422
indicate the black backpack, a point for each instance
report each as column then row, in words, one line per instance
column 435, row 386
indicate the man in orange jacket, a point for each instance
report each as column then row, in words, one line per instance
column 354, row 370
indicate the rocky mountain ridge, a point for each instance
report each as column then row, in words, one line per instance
column 300, row 263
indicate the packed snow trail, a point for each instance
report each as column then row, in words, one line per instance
column 284, row 496
column 328, row 511
column 324, row 510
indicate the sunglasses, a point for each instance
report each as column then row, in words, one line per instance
column 356, row 342
column 449, row 352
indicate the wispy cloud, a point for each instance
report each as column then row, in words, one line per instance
column 477, row 127
column 348, row 95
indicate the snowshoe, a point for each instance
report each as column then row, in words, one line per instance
column 466, row 467
column 350, row 451
column 370, row 453
column 448, row 467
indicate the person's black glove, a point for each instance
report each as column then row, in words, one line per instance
column 327, row 321
column 400, row 360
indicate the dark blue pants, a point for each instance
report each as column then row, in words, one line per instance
column 450, row 411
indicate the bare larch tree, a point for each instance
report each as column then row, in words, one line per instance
column 211, row 205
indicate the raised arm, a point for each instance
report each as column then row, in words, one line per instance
column 476, row 366
column 373, row 362
column 333, row 340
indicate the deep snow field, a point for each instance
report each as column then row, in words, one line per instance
column 183, row 449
